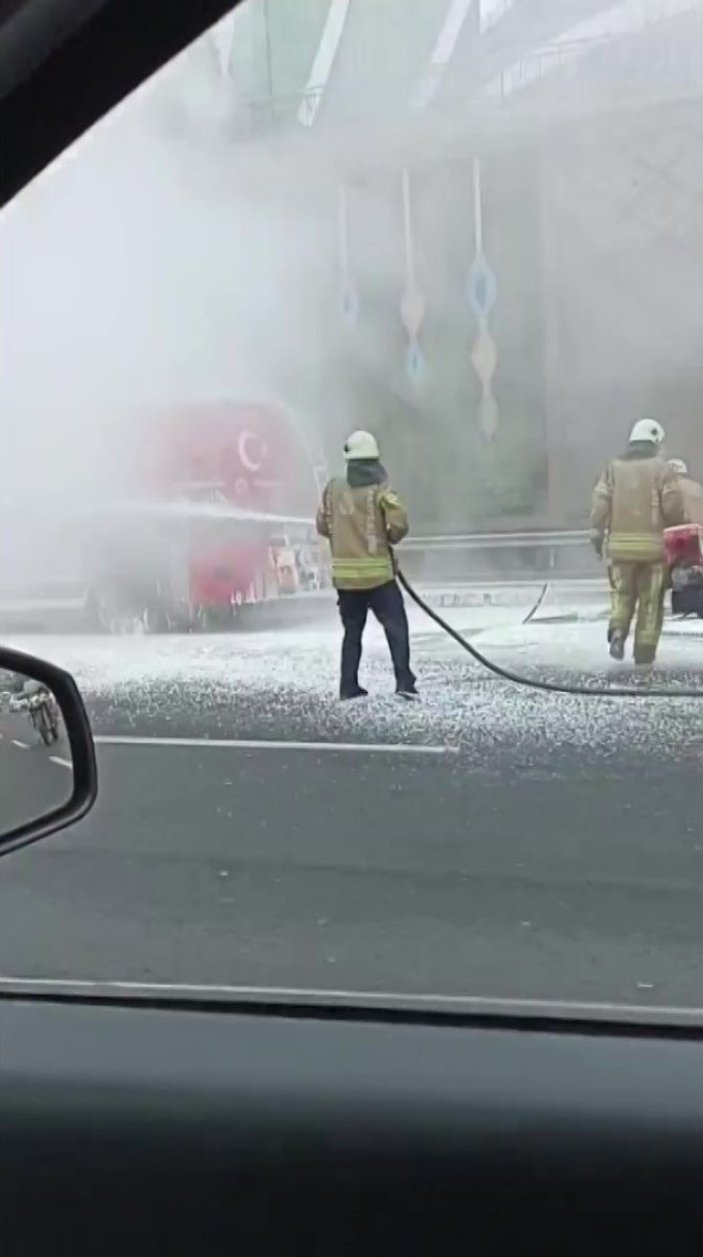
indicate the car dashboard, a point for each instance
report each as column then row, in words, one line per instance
column 282, row 1128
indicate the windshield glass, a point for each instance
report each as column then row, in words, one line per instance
column 360, row 320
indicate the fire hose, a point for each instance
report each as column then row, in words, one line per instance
column 534, row 683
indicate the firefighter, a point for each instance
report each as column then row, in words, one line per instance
column 635, row 499
column 362, row 518
column 692, row 492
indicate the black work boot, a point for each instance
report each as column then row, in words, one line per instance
column 617, row 646
column 357, row 692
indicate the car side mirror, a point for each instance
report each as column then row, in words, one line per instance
column 48, row 774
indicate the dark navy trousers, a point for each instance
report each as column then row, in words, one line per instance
column 386, row 603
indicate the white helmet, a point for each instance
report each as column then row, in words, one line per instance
column 648, row 430
column 361, row 445
column 679, row 466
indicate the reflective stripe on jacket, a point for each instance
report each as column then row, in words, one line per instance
column 361, row 524
column 635, row 499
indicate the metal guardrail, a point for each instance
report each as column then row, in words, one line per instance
column 499, row 541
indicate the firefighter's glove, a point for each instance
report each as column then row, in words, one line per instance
column 597, row 543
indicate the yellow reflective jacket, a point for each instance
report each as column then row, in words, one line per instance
column 635, row 499
column 361, row 524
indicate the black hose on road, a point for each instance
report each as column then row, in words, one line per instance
column 547, row 687
column 538, row 604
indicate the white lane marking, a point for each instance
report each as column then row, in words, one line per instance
column 361, row 748
column 65, row 763
column 24, row 746
column 383, row 999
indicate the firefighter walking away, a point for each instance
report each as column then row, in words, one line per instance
column 635, row 499
column 362, row 518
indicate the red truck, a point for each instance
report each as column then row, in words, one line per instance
column 205, row 498
column 684, row 555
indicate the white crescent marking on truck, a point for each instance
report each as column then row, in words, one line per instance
column 245, row 457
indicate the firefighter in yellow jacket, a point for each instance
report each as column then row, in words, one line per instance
column 362, row 518
column 691, row 491
column 635, row 499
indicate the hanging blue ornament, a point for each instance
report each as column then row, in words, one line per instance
column 482, row 287
column 414, row 362
column 349, row 303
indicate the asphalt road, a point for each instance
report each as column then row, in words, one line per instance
column 34, row 779
column 550, row 848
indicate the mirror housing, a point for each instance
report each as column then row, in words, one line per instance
column 48, row 698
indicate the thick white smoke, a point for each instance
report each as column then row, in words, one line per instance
column 189, row 250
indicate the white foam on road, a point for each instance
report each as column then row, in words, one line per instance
column 269, row 683
column 304, row 658
column 688, row 628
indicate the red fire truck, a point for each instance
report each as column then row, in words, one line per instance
column 211, row 511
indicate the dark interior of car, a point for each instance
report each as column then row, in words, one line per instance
column 287, row 1125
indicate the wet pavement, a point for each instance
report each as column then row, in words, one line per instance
column 489, row 841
